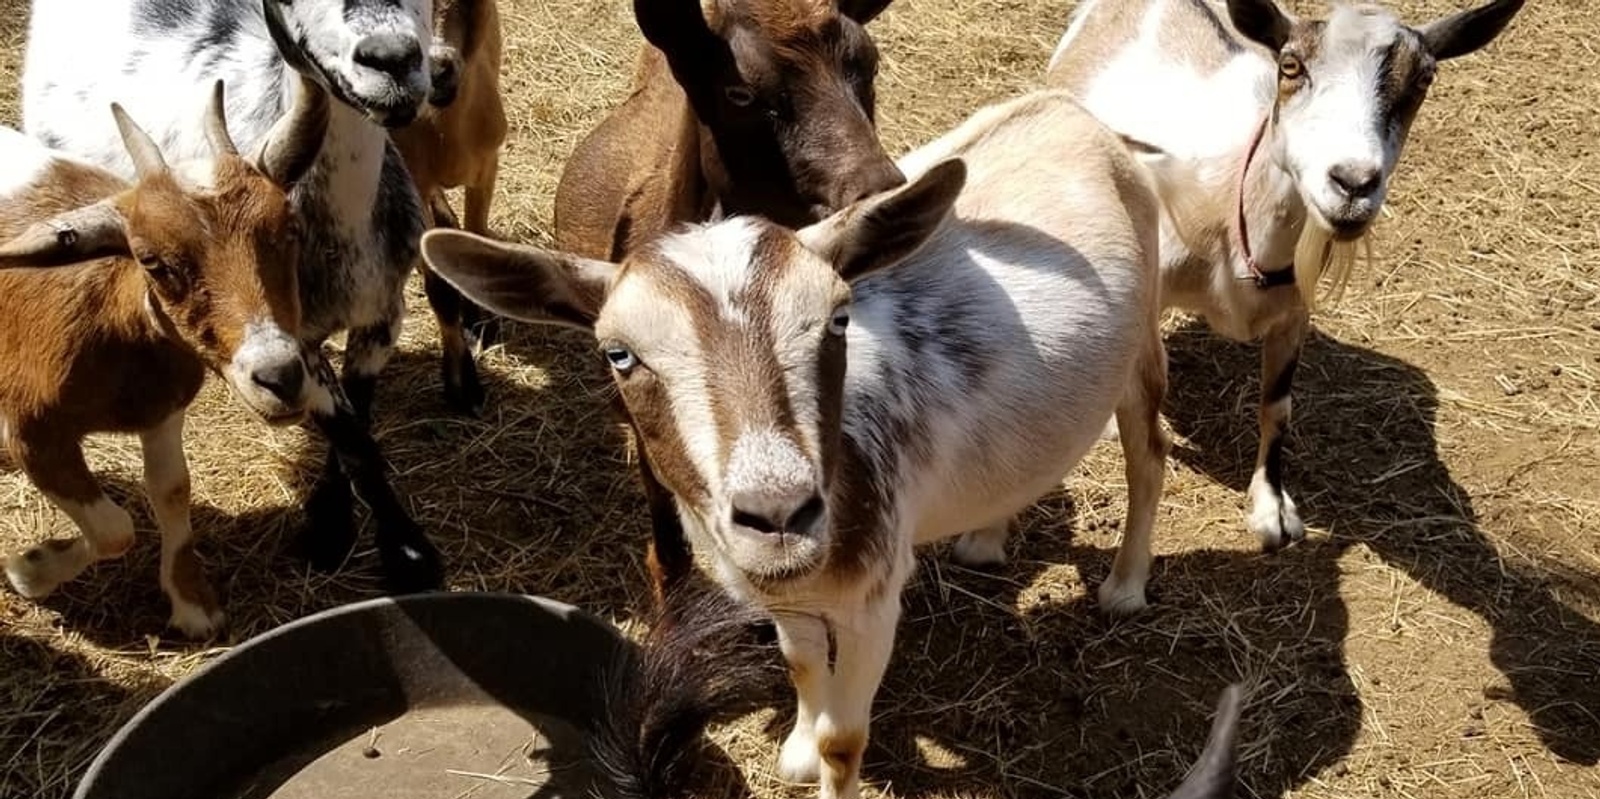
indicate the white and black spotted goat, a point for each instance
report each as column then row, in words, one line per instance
column 357, row 209
column 820, row 402
column 1271, row 164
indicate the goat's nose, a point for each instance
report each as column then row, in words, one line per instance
column 391, row 53
column 285, row 380
column 1356, row 179
column 772, row 517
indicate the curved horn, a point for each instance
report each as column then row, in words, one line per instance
column 217, row 123
column 147, row 160
column 291, row 147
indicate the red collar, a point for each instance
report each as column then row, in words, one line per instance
column 1263, row 280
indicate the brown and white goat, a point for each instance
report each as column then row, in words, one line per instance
column 456, row 143
column 762, row 107
column 1271, row 164
column 819, row 402
column 114, row 302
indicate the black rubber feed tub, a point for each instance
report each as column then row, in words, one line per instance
column 434, row 695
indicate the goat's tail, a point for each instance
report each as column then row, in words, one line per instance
column 1215, row 774
column 700, row 663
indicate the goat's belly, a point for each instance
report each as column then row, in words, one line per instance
column 993, row 471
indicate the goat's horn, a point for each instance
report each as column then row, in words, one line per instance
column 217, row 123
column 291, row 147
column 147, row 160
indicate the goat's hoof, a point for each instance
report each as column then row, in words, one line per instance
column 1122, row 597
column 463, row 391
column 1276, row 524
column 196, row 622
column 411, row 567
column 799, row 761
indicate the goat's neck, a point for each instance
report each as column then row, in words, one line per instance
column 1271, row 206
column 693, row 197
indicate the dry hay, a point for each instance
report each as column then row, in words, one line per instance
column 1437, row 636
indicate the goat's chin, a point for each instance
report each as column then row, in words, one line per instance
column 769, row 560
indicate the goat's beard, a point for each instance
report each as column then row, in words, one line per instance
column 1318, row 254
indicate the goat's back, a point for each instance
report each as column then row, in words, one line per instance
column 1008, row 340
column 38, row 182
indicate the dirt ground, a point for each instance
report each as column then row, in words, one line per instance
column 1438, row 635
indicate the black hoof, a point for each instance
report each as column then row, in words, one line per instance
column 330, row 531
column 463, row 391
column 412, row 566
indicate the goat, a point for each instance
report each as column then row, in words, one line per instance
column 984, row 356
column 698, row 664
column 765, row 107
column 358, row 210
column 148, row 286
column 1271, row 165
column 456, row 143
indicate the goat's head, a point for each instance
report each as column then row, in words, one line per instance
column 371, row 55
column 727, row 342
column 1348, row 89
column 217, row 240
column 456, row 36
column 784, row 88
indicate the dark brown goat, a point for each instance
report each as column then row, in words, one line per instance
column 742, row 107
column 456, row 143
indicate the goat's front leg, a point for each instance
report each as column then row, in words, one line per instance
column 55, row 465
column 1273, row 517
column 410, row 561
column 195, row 611
column 331, row 531
column 482, row 327
column 836, row 664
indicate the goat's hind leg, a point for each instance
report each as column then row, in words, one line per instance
column 463, row 391
column 1273, row 516
column 57, row 468
column 195, row 610
column 1144, row 450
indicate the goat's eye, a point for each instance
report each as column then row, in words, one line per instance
column 1290, row 67
column 839, row 321
column 621, row 359
column 740, row 95
column 150, row 261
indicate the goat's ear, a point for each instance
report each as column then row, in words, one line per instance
column 863, row 11
column 886, row 228
column 1214, row 775
column 678, row 28
column 1465, row 31
column 518, row 281
column 1261, row 21
column 93, row 231
column 295, row 140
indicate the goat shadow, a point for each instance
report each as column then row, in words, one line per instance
column 39, row 680
column 1346, row 479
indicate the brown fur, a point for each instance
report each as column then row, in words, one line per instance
column 457, row 145
column 122, row 343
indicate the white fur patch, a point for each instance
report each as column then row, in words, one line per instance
column 719, row 256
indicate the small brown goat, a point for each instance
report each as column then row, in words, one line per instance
column 456, row 143
column 761, row 107
column 115, row 300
